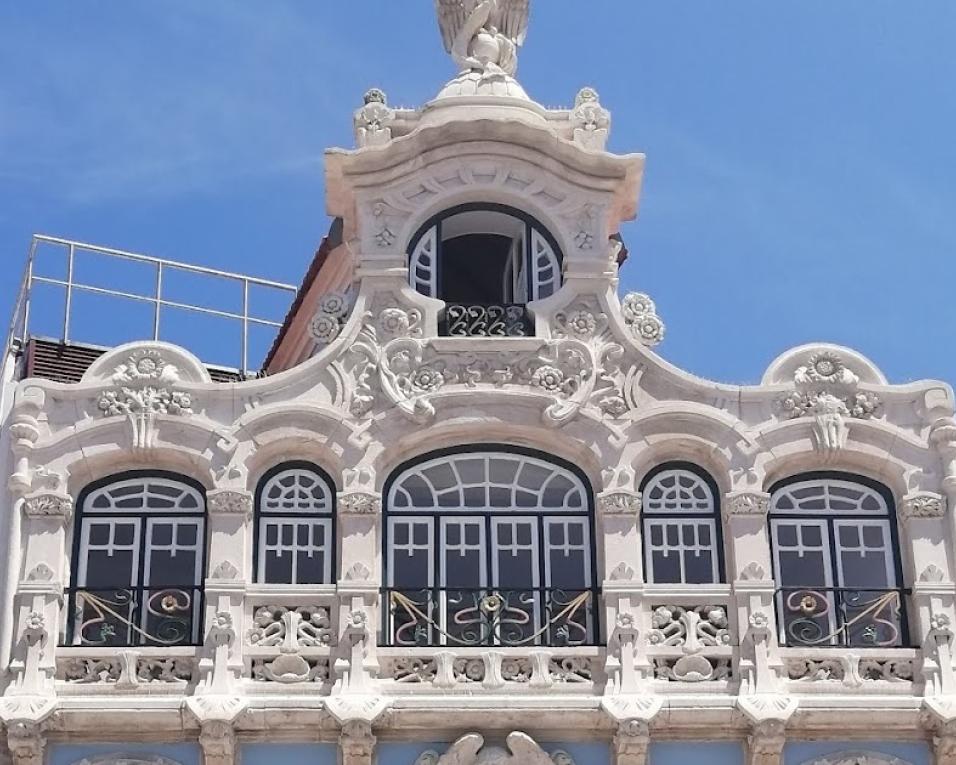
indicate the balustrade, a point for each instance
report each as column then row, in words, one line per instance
column 486, row 320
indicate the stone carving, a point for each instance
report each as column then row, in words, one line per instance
column 893, row 670
column 620, row 503
column 470, row 749
column 827, row 390
column 932, row 573
column 640, row 316
column 153, row 670
column 229, row 502
column 373, row 120
column 48, row 505
column 691, row 669
column 622, row 573
column 332, row 311
column 747, row 503
column 590, row 122
column 585, row 225
column 570, row 669
column 148, row 400
column 41, row 572
column 468, row 670
column 815, row 670
column 291, row 668
column 484, row 36
column 384, row 234
column 857, row 758
column 922, row 505
column 81, row 671
column 753, row 572
column 145, row 365
column 413, row 670
column 225, row 570
column 693, row 629
column 359, row 503
column 291, row 628
column 358, row 572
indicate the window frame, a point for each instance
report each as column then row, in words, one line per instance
column 713, row 517
column 532, row 227
column 259, row 516
column 80, row 541
column 489, row 554
column 829, row 521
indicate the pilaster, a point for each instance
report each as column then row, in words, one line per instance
column 356, row 743
column 631, row 741
column 765, row 743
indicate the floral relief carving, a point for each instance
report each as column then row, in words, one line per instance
column 41, row 572
column 620, row 503
column 753, row 572
column 470, row 749
column 815, row 670
column 48, row 505
column 412, row 670
column 332, row 311
column 828, row 391
column 691, row 669
column 229, row 502
column 932, row 573
column 747, row 503
column 225, row 570
column 304, row 626
column 640, row 316
column 372, row 120
column 143, row 366
column 148, row 400
column 692, row 629
column 922, row 505
column 359, row 503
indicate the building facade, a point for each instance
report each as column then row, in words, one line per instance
column 468, row 514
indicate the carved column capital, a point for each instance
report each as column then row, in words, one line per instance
column 218, row 741
column 631, row 741
column 746, row 503
column 360, row 503
column 26, row 742
column 923, row 504
column 765, row 742
column 619, row 502
column 357, row 742
column 52, row 505
column 229, row 502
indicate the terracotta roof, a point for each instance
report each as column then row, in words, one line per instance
column 332, row 240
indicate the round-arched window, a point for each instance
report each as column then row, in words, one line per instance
column 139, row 558
column 681, row 526
column 489, row 546
column 486, row 262
column 836, row 562
column 295, row 526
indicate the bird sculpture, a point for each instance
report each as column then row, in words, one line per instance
column 484, row 35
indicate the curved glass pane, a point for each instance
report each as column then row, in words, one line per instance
column 296, row 490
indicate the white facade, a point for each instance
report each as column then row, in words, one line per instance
column 410, row 535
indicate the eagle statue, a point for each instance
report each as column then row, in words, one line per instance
column 484, row 35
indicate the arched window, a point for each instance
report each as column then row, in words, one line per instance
column 681, row 526
column 139, row 558
column 836, row 562
column 295, row 526
column 489, row 546
column 486, row 262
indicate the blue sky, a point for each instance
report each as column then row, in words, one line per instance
column 800, row 155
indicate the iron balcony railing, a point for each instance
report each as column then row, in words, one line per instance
column 134, row 616
column 464, row 617
column 842, row 616
column 60, row 271
column 486, row 320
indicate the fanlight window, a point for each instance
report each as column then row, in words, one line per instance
column 681, row 529
column 295, row 536
column 139, row 560
column 836, row 563
column 489, row 548
column 486, row 262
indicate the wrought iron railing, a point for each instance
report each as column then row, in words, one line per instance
column 134, row 616
column 490, row 617
column 486, row 320
column 842, row 616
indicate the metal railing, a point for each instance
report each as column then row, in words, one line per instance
column 486, row 320
column 134, row 616
column 842, row 616
column 163, row 269
column 489, row 616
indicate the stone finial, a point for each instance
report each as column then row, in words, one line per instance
column 372, row 120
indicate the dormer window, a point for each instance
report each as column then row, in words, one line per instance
column 487, row 262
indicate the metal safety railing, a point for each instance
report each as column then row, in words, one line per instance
column 163, row 269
